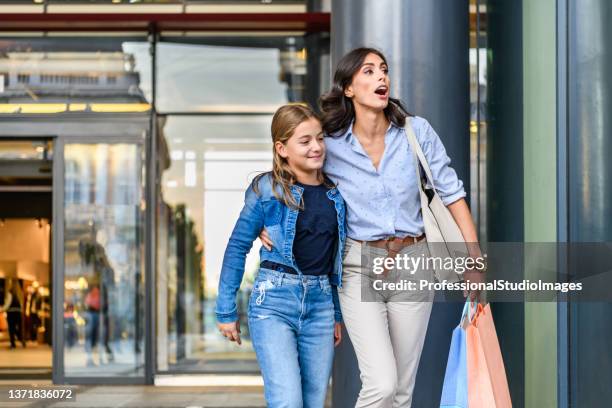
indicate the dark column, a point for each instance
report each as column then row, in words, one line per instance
column 426, row 44
column 505, row 210
column 318, row 77
column 590, row 189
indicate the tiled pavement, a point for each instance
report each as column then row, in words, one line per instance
column 99, row 396
column 148, row 396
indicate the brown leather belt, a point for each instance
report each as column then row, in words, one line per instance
column 394, row 244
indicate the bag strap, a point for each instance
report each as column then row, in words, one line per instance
column 471, row 311
column 416, row 149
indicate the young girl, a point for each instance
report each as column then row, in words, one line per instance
column 294, row 302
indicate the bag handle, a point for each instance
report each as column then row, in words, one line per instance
column 418, row 152
column 471, row 310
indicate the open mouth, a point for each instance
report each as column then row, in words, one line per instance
column 381, row 90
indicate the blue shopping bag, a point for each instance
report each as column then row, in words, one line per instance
column 455, row 388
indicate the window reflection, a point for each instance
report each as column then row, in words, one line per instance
column 103, row 245
column 478, row 114
column 211, row 160
column 217, row 96
column 74, row 75
column 215, row 77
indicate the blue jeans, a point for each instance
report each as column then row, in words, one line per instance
column 291, row 321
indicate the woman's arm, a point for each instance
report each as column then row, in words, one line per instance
column 8, row 298
column 461, row 213
column 450, row 189
column 463, row 217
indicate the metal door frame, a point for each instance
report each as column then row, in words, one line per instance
column 59, row 376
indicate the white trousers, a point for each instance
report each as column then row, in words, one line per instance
column 387, row 335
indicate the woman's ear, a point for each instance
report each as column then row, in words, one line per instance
column 281, row 149
column 348, row 92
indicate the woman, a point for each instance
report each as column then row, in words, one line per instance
column 13, row 301
column 370, row 160
column 293, row 311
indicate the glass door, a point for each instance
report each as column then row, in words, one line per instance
column 102, row 201
column 25, row 258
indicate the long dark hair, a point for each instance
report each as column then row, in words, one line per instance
column 338, row 110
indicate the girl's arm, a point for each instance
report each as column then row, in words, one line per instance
column 249, row 224
column 336, row 302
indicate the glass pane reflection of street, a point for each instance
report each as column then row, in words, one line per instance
column 104, row 276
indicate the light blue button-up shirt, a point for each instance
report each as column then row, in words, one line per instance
column 385, row 202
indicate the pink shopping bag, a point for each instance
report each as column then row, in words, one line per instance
column 487, row 382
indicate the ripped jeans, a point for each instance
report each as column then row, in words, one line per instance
column 291, row 321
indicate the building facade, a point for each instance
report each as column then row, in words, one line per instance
column 130, row 130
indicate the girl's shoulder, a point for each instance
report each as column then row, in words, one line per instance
column 262, row 184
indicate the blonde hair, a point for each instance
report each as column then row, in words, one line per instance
column 284, row 122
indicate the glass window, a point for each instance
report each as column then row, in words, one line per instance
column 211, row 162
column 253, row 76
column 103, row 260
column 26, row 150
column 217, row 96
column 478, row 114
column 56, row 75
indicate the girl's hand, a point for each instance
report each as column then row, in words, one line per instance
column 231, row 331
column 265, row 239
column 337, row 334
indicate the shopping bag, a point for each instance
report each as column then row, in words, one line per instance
column 480, row 390
column 487, row 382
column 455, row 387
column 3, row 322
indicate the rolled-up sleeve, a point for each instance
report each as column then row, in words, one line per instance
column 448, row 185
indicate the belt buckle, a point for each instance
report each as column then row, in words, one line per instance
column 388, row 240
column 394, row 240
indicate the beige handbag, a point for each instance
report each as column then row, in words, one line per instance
column 444, row 238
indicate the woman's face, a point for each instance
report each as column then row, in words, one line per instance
column 370, row 85
column 305, row 149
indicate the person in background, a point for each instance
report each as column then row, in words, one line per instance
column 13, row 305
column 32, row 305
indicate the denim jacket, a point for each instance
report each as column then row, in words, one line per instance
column 264, row 210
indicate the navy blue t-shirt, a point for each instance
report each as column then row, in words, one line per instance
column 316, row 232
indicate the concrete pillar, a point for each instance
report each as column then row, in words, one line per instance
column 426, row 44
column 590, row 190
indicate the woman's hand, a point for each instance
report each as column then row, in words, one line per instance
column 231, row 331
column 265, row 239
column 475, row 277
column 461, row 213
column 337, row 334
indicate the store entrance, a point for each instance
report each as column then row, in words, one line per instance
column 25, row 258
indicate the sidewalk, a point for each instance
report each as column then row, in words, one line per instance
column 146, row 396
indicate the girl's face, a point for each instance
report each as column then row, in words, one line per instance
column 305, row 149
column 370, row 85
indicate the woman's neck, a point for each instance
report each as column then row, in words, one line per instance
column 370, row 124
